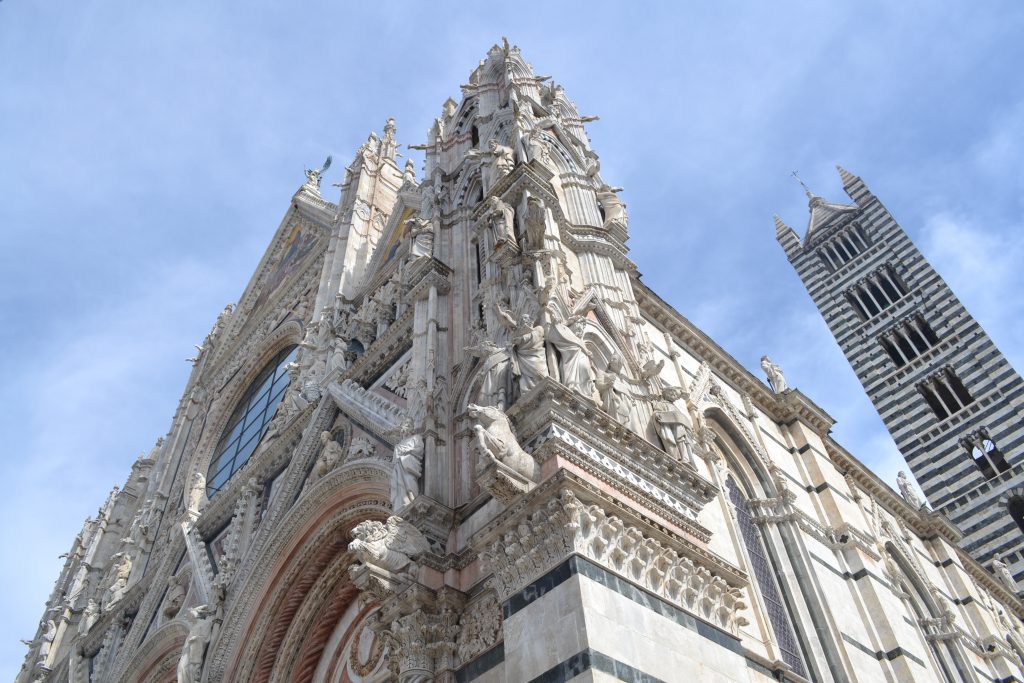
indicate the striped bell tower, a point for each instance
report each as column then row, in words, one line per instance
column 949, row 398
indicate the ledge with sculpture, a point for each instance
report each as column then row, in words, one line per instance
column 553, row 420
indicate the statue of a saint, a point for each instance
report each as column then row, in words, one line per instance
column 1002, row 573
column 535, row 222
column 614, row 391
column 529, row 360
column 498, row 163
column 190, row 664
column 196, row 496
column 612, row 207
column 500, row 217
column 46, row 642
column 329, row 458
column 122, row 571
column 495, row 373
column 574, row 359
column 776, row 380
column 672, row 423
column 407, row 467
column 907, row 491
column 89, row 616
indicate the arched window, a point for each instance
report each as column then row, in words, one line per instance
column 931, row 623
column 249, row 421
column 1016, row 508
column 765, row 574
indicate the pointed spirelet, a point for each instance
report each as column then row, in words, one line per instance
column 780, row 227
column 847, row 177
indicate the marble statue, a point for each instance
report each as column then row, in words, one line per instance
column 1002, row 573
column 671, row 422
column 175, row 596
column 614, row 391
column 574, row 359
column 907, row 491
column 122, row 571
column 196, row 494
column 407, row 467
column 388, row 146
column 190, row 664
column 613, row 208
column 390, row 546
column 496, row 364
column 529, row 360
column 499, row 161
column 313, row 176
column 421, row 234
column 776, row 380
column 46, row 641
column 90, row 615
column 535, row 223
column 500, row 217
column 495, row 440
column 329, row 458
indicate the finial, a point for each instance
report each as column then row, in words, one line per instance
column 810, row 195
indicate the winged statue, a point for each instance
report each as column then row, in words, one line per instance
column 390, row 545
column 313, row 176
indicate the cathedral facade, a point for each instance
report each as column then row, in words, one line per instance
column 448, row 434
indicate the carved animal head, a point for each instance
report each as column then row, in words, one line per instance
column 485, row 415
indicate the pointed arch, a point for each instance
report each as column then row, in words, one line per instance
column 948, row 659
column 296, row 589
column 800, row 609
column 156, row 661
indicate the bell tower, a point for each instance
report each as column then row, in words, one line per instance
column 947, row 395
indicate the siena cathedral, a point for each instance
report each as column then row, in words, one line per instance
column 448, row 434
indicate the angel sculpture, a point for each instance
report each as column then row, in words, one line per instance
column 313, row 176
column 390, row 546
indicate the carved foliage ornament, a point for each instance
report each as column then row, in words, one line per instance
column 566, row 526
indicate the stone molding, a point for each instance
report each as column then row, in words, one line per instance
column 528, row 541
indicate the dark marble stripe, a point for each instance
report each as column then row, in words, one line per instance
column 579, row 565
column 592, row 659
column 481, row 665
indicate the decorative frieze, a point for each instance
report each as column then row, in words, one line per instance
column 526, row 548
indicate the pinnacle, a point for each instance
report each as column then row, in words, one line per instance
column 847, row 177
column 780, row 227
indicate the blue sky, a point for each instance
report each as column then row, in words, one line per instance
column 149, row 150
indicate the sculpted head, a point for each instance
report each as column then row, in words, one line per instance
column 325, row 436
column 492, row 144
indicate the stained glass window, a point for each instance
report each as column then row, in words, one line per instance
column 249, row 421
column 761, row 567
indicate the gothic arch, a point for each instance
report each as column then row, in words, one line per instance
column 804, row 602
column 298, row 586
column 220, row 410
column 156, row 661
column 917, row 594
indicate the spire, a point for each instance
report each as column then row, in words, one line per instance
column 780, row 227
column 847, row 177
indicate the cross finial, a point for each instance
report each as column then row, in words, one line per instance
column 802, row 184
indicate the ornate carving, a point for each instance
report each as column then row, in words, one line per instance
column 565, row 526
column 479, row 627
column 495, row 441
column 372, row 661
column 390, row 546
